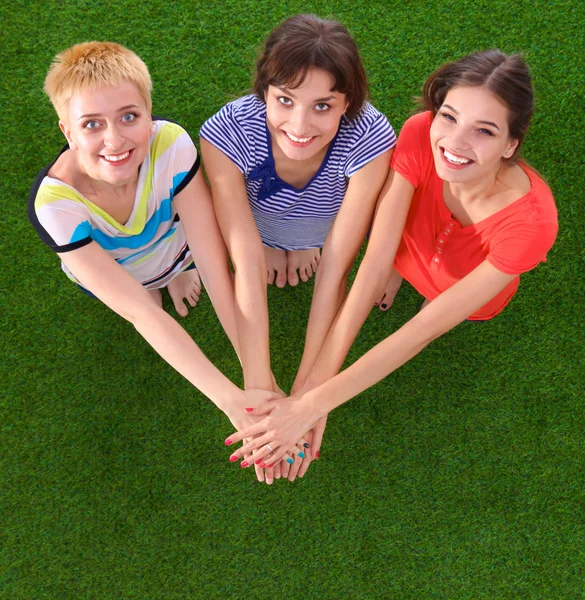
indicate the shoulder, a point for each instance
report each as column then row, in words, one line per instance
column 540, row 201
column 240, row 113
column 369, row 119
column 167, row 133
column 418, row 125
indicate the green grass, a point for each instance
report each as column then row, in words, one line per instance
column 458, row 477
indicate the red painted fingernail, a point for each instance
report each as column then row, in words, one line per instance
column 258, row 462
column 270, row 466
column 233, row 458
column 244, row 464
column 228, row 442
column 249, row 409
column 262, row 465
column 317, row 454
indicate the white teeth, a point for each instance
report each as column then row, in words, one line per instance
column 296, row 139
column 455, row 159
column 116, row 157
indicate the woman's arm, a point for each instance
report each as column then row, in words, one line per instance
column 372, row 275
column 341, row 247
column 290, row 419
column 208, row 250
column 116, row 288
column 247, row 253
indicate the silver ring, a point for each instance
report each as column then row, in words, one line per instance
column 270, row 448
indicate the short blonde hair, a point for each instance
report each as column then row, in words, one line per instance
column 91, row 65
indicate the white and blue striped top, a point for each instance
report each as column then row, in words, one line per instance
column 290, row 218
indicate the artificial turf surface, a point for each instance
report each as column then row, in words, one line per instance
column 458, row 477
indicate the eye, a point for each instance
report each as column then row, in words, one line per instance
column 129, row 117
column 485, row 132
column 285, row 100
column 448, row 117
column 91, row 125
column 322, row 107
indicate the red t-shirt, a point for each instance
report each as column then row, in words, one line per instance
column 436, row 251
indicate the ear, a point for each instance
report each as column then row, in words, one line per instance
column 512, row 145
column 67, row 133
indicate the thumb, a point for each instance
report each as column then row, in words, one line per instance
column 264, row 408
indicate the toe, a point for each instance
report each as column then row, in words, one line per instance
column 270, row 277
column 280, row 279
column 293, row 278
column 181, row 308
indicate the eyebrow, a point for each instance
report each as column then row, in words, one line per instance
column 490, row 123
column 289, row 93
column 121, row 109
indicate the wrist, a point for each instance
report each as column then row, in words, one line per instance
column 314, row 404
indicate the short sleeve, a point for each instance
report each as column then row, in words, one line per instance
column 174, row 150
column 226, row 132
column 59, row 219
column 521, row 245
column 372, row 135
column 413, row 153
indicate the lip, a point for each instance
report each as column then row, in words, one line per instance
column 118, row 163
column 453, row 165
column 298, row 144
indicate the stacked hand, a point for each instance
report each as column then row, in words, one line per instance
column 290, row 432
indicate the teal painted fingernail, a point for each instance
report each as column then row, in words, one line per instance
column 302, row 454
column 290, row 461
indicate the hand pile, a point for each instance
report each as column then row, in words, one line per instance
column 281, row 435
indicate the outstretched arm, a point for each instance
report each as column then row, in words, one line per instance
column 247, row 253
column 372, row 275
column 116, row 288
column 290, row 419
column 341, row 247
column 208, row 249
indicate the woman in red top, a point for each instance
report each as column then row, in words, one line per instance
column 460, row 217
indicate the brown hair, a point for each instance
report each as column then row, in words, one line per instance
column 506, row 77
column 306, row 42
column 91, row 65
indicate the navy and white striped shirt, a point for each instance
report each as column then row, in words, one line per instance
column 287, row 217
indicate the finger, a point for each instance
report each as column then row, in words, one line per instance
column 259, row 473
column 285, row 468
column 278, row 470
column 250, row 432
column 318, row 432
column 258, row 444
column 297, row 451
column 294, row 469
column 304, row 443
column 269, row 476
column 265, row 407
column 305, row 464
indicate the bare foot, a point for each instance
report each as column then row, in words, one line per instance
column 156, row 296
column 303, row 261
column 276, row 265
column 185, row 286
column 387, row 298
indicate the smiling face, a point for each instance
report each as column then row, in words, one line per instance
column 469, row 136
column 109, row 130
column 304, row 120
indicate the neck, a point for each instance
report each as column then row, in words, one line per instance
column 477, row 191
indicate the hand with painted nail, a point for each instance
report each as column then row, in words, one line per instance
column 279, row 435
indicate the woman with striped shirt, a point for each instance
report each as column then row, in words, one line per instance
column 296, row 167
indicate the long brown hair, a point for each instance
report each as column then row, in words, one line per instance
column 306, row 42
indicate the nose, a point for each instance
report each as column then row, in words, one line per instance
column 113, row 137
column 299, row 122
column 459, row 138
